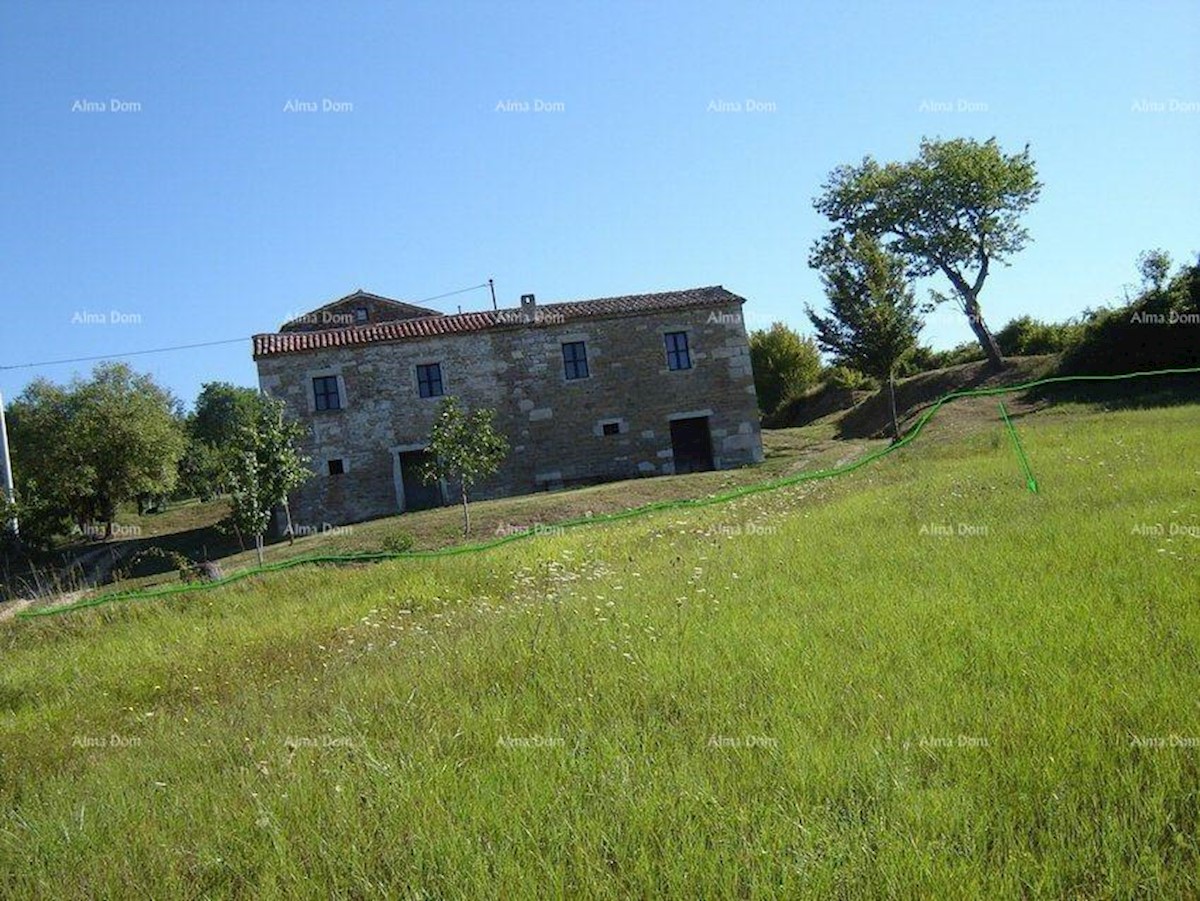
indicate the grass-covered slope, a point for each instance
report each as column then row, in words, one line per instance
column 919, row 679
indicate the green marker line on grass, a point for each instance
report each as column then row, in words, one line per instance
column 744, row 491
column 1030, row 481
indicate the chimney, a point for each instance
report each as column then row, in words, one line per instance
column 528, row 307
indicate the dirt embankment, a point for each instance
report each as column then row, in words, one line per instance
column 869, row 416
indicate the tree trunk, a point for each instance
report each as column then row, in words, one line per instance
column 466, row 514
column 982, row 334
column 258, row 546
column 892, row 393
column 287, row 512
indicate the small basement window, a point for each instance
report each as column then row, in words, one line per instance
column 611, row 428
column 337, row 467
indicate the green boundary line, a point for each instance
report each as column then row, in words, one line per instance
column 744, row 491
column 1030, row 481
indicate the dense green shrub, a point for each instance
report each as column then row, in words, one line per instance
column 845, row 378
column 926, row 359
column 1159, row 329
column 785, row 364
column 398, row 542
column 1026, row 336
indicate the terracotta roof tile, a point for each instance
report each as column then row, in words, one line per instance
column 277, row 343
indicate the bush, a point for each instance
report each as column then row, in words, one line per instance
column 926, row 359
column 1160, row 329
column 189, row 571
column 848, row 379
column 785, row 364
column 399, row 542
column 1026, row 336
column 41, row 522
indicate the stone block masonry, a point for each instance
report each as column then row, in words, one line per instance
column 630, row 410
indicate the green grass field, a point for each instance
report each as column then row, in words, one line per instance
column 916, row 680
column 191, row 529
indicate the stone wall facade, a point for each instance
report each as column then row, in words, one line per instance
column 355, row 309
column 556, row 427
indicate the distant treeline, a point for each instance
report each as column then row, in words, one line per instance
column 1156, row 327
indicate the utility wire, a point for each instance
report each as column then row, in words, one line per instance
column 160, row 350
column 132, row 353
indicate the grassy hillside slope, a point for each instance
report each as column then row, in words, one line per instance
column 191, row 529
column 917, row 679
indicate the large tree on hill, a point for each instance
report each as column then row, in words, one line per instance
column 81, row 450
column 954, row 210
column 49, row 468
column 132, row 437
column 873, row 320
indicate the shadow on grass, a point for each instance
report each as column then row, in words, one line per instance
column 203, row 543
column 1143, row 393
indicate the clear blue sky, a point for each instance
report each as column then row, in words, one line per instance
column 211, row 212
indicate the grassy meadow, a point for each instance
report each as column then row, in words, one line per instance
column 916, row 680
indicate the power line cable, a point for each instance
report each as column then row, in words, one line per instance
column 174, row 347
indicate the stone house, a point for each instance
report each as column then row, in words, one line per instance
column 586, row 391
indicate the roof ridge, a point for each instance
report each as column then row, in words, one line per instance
column 284, row 342
column 645, row 295
column 366, row 294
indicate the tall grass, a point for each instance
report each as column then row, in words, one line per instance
column 918, row 680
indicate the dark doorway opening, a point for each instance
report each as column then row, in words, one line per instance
column 418, row 494
column 691, row 444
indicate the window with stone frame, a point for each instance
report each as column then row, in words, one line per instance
column 326, row 395
column 429, row 380
column 575, row 363
column 678, row 354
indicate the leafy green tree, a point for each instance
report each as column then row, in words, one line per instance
column 203, row 470
column 132, row 441
column 48, row 469
column 267, row 467
column 1157, row 329
column 846, row 379
column 873, row 322
column 784, row 362
column 93, row 445
column 1154, row 267
column 10, row 512
column 221, row 412
column 955, row 210
column 463, row 448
